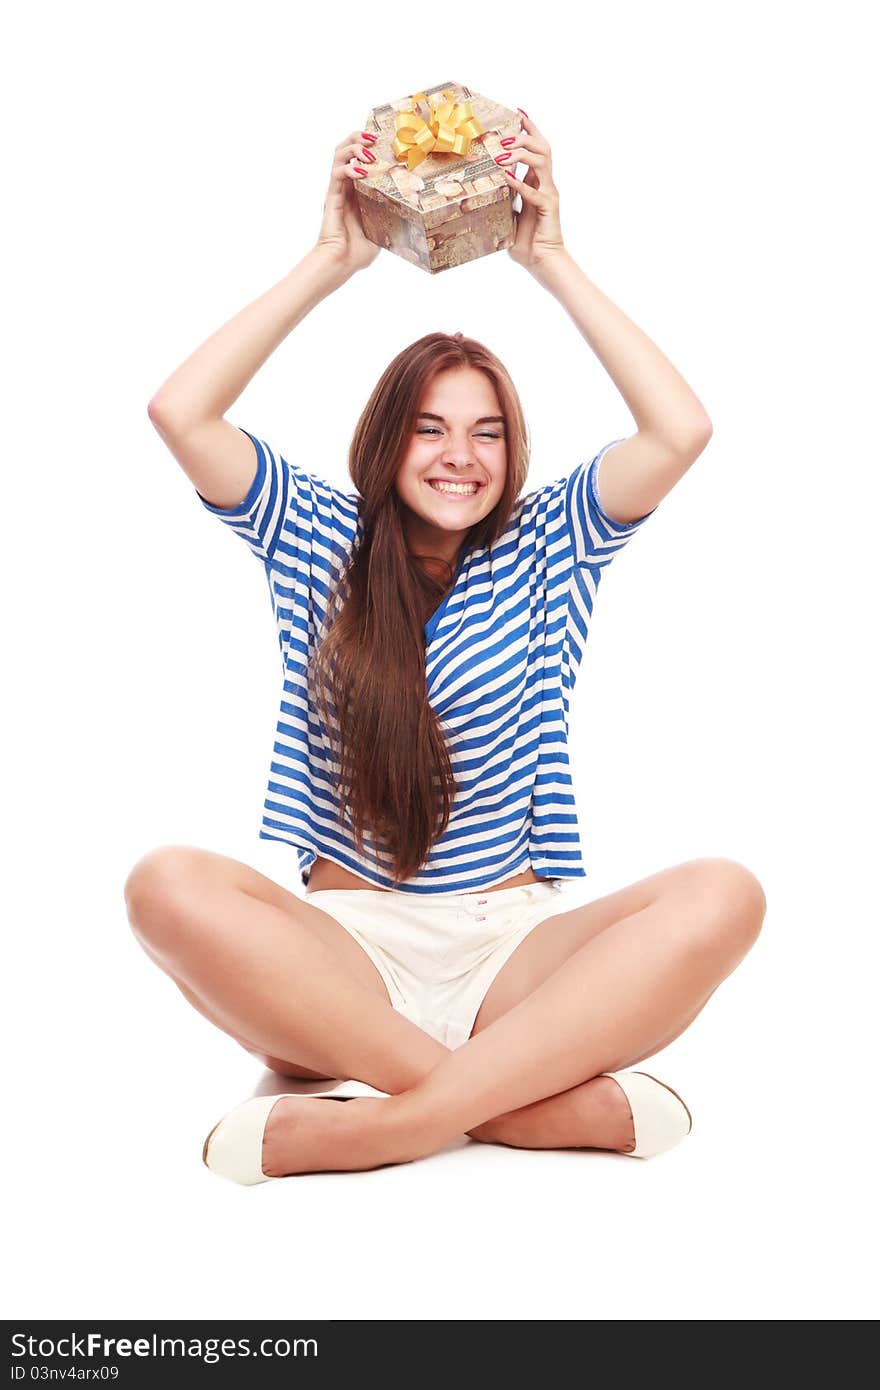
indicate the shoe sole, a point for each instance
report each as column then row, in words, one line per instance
column 675, row 1093
column 207, row 1142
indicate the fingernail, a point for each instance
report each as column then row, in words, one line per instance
column 508, row 173
column 509, row 141
column 365, row 135
column 359, row 170
column 524, row 113
column 500, row 158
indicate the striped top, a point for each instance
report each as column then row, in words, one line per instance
column 501, row 655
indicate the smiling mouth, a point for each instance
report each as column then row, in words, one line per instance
column 449, row 489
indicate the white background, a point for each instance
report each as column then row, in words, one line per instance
column 167, row 164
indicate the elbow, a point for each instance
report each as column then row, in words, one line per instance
column 701, row 428
column 161, row 418
column 160, row 407
column 686, row 438
column 698, row 438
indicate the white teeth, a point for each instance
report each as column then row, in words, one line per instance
column 465, row 488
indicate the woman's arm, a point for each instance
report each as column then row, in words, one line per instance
column 673, row 427
column 660, row 400
column 214, row 376
column 188, row 409
column 187, row 412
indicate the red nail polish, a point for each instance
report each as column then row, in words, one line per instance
column 359, row 170
column 524, row 113
column 365, row 135
column 499, row 158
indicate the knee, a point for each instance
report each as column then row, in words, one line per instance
column 159, row 891
column 729, row 904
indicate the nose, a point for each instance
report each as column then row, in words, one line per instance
column 459, row 452
column 458, row 456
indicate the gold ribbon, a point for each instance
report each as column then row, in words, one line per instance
column 450, row 130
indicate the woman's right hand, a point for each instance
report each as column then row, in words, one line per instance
column 341, row 231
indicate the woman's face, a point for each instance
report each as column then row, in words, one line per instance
column 458, row 439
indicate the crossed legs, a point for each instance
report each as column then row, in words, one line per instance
column 594, row 989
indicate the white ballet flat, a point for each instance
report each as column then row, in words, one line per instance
column 234, row 1148
column 660, row 1117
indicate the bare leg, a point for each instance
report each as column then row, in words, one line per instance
column 617, row 998
column 275, row 973
column 614, row 1000
column 592, row 1115
column 160, row 895
column 182, row 910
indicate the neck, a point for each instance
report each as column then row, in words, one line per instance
column 439, row 569
column 429, row 543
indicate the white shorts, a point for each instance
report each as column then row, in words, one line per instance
column 439, row 953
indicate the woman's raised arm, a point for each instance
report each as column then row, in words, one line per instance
column 673, row 426
column 187, row 410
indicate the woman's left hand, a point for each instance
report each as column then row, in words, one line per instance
column 538, row 232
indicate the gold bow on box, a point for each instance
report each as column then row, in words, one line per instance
column 450, row 130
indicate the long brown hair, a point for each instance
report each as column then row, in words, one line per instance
column 395, row 774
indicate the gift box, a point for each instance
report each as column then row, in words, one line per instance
column 435, row 195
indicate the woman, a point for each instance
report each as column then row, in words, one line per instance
column 431, row 628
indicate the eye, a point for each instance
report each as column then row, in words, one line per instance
column 430, row 429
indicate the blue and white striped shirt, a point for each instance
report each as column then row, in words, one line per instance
column 501, row 656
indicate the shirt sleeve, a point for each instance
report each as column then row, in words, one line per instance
column 302, row 530
column 289, row 517
column 595, row 537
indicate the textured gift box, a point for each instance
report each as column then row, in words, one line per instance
column 438, row 207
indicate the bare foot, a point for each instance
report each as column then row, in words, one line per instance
column 594, row 1115
column 620, row 1131
column 319, row 1134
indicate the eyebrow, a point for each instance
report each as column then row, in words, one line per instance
column 483, row 420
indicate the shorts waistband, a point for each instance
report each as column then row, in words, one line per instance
column 501, row 897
